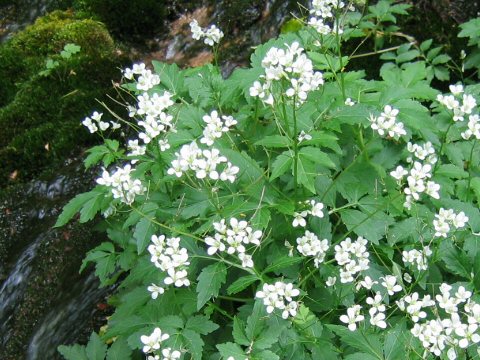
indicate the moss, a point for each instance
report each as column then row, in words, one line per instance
column 42, row 122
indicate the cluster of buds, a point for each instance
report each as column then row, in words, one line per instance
column 323, row 12
column 417, row 257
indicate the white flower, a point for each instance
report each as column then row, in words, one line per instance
column 331, row 280
column 168, row 354
column 299, row 219
column 399, row 173
column 153, row 341
column 155, row 290
column 349, row 102
column 390, row 283
column 352, row 317
column 279, row 296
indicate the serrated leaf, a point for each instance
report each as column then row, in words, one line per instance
column 170, row 76
column 74, row 352
column 255, row 323
column 281, row 165
column 231, row 350
column 194, row 343
column 75, row 205
column 274, row 141
column 368, row 343
column 316, row 156
column 201, row 324
column 143, row 234
column 282, row 263
column 119, row 350
column 96, row 348
column 267, row 355
column 455, row 259
column 239, row 332
column 241, row 284
column 210, row 281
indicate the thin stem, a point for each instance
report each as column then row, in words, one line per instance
column 295, row 149
column 469, row 169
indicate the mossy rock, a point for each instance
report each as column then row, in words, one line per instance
column 42, row 121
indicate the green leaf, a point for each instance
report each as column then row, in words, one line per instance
column 210, row 281
column 373, row 226
column 230, row 349
column 96, row 348
column 239, row 332
column 274, row 141
column 74, row 352
column 194, row 343
column 119, row 350
column 76, row 204
column 281, row 165
column 367, row 343
column 267, row 355
column 306, row 173
column 201, row 324
column 241, row 284
column 170, row 76
column 144, row 230
column 282, row 263
column 316, row 156
column 255, row 323
column 455, row 259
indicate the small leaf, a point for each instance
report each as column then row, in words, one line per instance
column 119, row 350
column 231, row 350
column 194, row 343
column 143, row 233
column 281, row 165
column 201, row 324
column 209, row 282
column 282, row 263
column 96, row 348
column 75, row 352
column 274, row 141
column 241, row 284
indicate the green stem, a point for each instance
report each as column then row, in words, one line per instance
column 337, row 37
column 295, row 149
column 469, row 169
column 441, row 147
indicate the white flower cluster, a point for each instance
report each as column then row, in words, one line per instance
column 323, row 11
column 211, row 36
column 94, row 122
column 233, row 238
column 448, row 334
column 417, row 257
column 418, row 177
column 279, row 296
column 154, row 120
column 316, row 209
column 145, row 78
column 445, row 218
column 462, row 105
column 377, row 311
column 168, row 256
column 203, row 162
column 123, row 186
column 153, row 341
column 352, row 317
column 291, row 65
column 386, row 124
column 311, row 245
column 353, row 257
column 136, row 149
column 216, row 126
